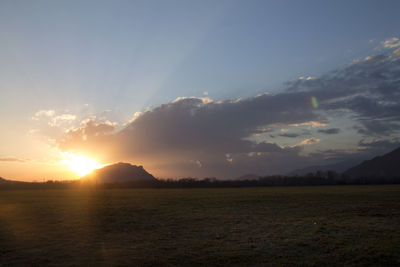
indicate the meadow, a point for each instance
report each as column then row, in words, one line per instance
column 263, row 226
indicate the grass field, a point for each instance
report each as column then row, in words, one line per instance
column 352, row 225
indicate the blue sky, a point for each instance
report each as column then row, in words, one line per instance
column 88, row 58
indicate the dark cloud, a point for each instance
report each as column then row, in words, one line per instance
column 377, row 127
column 290, row 135
column 368, row 90
column 380, row 145
column 190, row 126
column 329, row 131
column 364, row 151
column 304, row 132
column 192, row 130
column 199, row 137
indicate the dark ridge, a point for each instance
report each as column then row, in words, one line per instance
column 339, row 167
column 379, row 170
column 119, row 172
column 387, row 165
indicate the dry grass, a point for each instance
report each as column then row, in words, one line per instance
column 352, row 225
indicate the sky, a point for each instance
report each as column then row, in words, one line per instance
column 196, row 88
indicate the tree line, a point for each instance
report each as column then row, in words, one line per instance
column 311, row 179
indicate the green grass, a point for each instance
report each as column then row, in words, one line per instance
column 351, row 225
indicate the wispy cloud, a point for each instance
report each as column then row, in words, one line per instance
column 63, row 118
column 45, row 112
column 13, row 159
column 309, row 141
column 393, row 42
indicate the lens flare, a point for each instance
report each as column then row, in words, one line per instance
column 314, row 102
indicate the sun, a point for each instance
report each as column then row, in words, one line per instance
column 79, row 164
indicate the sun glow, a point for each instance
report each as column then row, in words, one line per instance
column 79, row 164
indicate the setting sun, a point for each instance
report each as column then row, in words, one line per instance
column 79, row 164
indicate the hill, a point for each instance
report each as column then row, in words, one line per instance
column 381, row 166
column 3, row 180
column 119, row 172
column 337, row 167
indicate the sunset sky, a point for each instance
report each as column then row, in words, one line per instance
column 196, row 88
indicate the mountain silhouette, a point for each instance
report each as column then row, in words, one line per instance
column 339, row 167
column 387, row 165
column 119, row 172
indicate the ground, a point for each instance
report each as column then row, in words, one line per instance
column 351, row 225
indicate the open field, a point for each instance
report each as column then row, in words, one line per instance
column 352, row 225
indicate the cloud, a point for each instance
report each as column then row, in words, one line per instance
column 193, row 124
column 391, row 43
column 379, row 144
column 59, row 125
column 43, row 113
column 310, row 123
column 376, row 127
column 61, row 119
column 364, row 91
column 135, row 116
column 308, row 78
column 66, row 117
column 290, row 135
column 197, row 129
column 197, row 100
column 329, row 131
column 304, row 132
column 193, row 136
column 309, row 141
column 12, row 159
column 91, row 132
